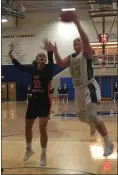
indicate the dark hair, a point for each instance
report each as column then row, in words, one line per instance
column 77, row 39
column 34, row 62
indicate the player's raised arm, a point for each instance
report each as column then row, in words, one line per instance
column 11, row 52
column 59, row 61
column 87, row 49
column 49, row 52
column 16, row 63
column 71, row 16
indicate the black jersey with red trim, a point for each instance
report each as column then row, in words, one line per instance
column 41, row 79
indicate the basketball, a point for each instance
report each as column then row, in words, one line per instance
column 67, row 16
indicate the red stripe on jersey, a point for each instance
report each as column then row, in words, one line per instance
column 50, row 99
column 49, row 87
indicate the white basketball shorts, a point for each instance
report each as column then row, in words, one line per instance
column 87, row 95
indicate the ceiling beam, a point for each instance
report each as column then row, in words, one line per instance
column 95, row 2
column 101, row 15
column 109, row 10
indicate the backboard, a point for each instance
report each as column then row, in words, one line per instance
column 104, row 61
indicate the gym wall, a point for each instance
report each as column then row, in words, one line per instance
column 42, row 25
column 46, row 26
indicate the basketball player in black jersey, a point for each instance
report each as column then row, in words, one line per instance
column 39, row 104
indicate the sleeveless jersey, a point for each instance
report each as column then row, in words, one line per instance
column 81, row 70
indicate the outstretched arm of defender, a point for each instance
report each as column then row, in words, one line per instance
column 11, row 52
column 17, row 64
column 59, row 61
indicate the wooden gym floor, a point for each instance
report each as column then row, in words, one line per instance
column 71, row 149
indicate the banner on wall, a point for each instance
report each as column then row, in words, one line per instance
column 21, row 43
column 19, row 36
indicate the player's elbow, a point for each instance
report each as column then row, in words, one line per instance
column 61, row 64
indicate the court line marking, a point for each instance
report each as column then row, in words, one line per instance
column 74, row 115
column 85, row 141
column 47, row 168
column 20, row 134
column 38, row 142
column 73, row 130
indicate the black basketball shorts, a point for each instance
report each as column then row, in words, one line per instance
column 38, row 108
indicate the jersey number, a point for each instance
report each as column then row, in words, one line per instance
column 37, row 84
column 76, row 71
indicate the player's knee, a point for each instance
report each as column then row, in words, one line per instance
column 98, row 122
column 29, row 124
column 82, row 116
column 94, row 118
column 28, row 127
column 43, row 128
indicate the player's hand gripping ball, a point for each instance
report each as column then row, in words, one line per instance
column 68, row 16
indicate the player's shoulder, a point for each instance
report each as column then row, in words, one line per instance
column 49, row 67
column 73, row 55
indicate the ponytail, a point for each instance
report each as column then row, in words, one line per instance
column 34, row 62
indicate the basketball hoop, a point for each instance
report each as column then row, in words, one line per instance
column 22, row 8
column 103, row 66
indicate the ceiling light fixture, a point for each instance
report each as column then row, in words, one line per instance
column 68, row 9
column 4, row 20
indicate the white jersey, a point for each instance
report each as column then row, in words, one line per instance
column 81, row 70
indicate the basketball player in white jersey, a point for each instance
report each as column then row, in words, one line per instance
column 87, row 91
